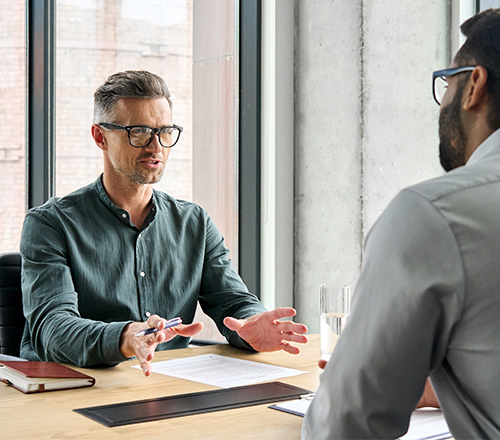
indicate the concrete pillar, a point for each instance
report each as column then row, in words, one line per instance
column 365, row 126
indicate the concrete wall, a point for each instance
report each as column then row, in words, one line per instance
column 366, row 126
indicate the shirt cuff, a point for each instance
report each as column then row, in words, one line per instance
column 111, row 342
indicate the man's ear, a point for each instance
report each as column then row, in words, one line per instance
column 99, row 136
column 476, row 91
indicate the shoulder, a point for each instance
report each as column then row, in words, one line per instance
column 440, row 205
column 414, row 212
column 56, row 205
column 466, row 179
column 186, row 216
column 165, row 201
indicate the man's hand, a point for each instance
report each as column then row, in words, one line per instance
column 143, row 347
column 265, row 333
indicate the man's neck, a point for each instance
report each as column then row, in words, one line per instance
column 476, row 138
column 132, row 197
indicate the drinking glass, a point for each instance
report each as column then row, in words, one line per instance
column 335, row 307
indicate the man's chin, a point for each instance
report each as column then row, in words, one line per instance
column 449, row 161
column 445, row 164
column 148, row 179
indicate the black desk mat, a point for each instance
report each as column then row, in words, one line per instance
column 138, row 411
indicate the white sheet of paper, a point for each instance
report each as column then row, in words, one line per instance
column 298, row 406
column 221, row 371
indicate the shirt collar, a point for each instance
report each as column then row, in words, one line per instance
column 488, row 146
column 122, row 214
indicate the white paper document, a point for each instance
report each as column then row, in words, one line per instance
column 297, row 406
column 425, row 424
column 221, row 371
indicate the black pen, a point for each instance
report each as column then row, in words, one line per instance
column 170, row 323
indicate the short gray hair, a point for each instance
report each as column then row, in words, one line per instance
column 127, row 84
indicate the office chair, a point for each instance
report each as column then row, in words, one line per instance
column 11, row 304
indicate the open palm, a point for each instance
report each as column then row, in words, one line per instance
column 264, row 332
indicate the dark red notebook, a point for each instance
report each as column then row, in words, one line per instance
column 36, row 377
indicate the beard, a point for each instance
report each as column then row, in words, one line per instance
column 146, row 178
column 138, row 175
column 452, row 137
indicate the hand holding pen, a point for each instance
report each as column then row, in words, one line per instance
column 136, row 341
column 170, row 323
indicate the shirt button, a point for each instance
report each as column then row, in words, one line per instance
column 148, row 314
column 143, row 274
column 140, row 235
column 124, row 215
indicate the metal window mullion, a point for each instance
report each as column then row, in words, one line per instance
column 249, row 144
column 41, row 100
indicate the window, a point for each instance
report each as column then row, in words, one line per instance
column 12, row 115
column 461, row 10
column 96, row 39
column 64, row 49
column 481, row 5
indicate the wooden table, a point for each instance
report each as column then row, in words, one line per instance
column 50, row 415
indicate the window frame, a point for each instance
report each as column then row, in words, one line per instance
column 40, row 102
column 249, row 144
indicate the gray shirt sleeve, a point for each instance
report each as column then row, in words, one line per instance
column 407, row 300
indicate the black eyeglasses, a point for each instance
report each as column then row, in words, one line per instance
column 140, row 136
column 439, row 83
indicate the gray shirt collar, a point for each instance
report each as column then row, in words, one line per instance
column 488, row 147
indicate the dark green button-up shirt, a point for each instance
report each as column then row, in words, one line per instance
column 88, row 271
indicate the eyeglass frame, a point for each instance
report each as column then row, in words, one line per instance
column 445, row 73
column 155, row 131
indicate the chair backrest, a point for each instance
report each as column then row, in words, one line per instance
column 11, row 304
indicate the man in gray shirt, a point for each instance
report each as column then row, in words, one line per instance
column 117, row 257
column 436, row 311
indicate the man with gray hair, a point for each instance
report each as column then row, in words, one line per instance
column 117, row 257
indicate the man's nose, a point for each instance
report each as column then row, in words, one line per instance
column 154, row 146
